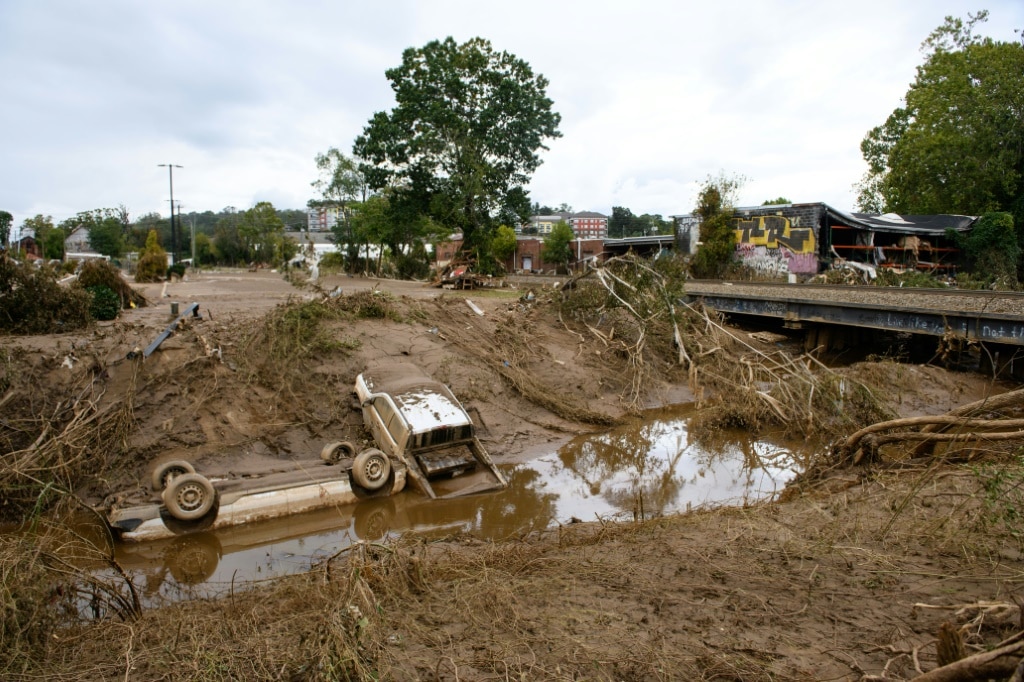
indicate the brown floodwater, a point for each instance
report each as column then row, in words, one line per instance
column 643, row 469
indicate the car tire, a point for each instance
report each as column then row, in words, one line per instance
column 371, row 469
column 335, row 452
column 164, row 473
column 189, row 497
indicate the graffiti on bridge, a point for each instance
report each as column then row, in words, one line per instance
column 773, row 231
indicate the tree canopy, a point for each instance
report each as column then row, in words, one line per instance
column 957, row 144
column 558, row 244
column 340, row 179
column 503, row 245
column 717, row 237
column 624, row 224
column 262, row 232
column 463, row 138
column 5, row 228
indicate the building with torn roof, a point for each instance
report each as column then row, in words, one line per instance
column 804, row 238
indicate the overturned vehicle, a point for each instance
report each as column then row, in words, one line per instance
column 421, row 431
column 420, row 423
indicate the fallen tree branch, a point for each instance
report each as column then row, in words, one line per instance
column 987, row 404
column 999, row 663
column 873, row 442
column 851, row 443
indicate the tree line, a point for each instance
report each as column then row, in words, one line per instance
column 228, row 237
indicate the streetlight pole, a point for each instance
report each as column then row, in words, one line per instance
column 174, row 234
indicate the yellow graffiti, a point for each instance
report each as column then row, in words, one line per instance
column 773, row 231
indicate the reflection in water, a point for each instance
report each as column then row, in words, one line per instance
column 653, row 466
column 646, row 468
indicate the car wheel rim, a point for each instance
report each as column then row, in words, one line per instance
column 190, row 497
column 374, row 469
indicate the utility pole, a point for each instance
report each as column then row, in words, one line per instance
column 174, row 234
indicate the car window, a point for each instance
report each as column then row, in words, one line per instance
column 387, row 415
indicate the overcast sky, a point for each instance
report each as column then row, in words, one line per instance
column 654, row 95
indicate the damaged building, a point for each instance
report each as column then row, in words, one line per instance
column 803, row 239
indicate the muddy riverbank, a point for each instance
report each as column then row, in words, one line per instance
column 853, row 575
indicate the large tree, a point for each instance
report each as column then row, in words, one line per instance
column 340, row 180
column 463, row 138
column 957, row 146
column 621, row 223
column 49, row 237
column 262, row 232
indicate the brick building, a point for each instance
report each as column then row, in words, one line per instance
column 589, row 225
column 528, row 256
column 585, row 224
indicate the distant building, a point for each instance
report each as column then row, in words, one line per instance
column 30, row 247
column 585, row 224
column 589, row 225
column 78, row 242
column 543, row 224
column 324, row 218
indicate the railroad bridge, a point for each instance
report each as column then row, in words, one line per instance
column 837, row 316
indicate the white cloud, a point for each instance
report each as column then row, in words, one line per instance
column 654, row 95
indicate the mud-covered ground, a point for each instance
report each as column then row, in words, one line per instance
column 851, row 576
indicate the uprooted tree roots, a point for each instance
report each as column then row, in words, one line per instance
column 635, row 309
column 974, row 426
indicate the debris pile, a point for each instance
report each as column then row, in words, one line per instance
column 635, row 309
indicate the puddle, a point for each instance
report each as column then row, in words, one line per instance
column 644, row 469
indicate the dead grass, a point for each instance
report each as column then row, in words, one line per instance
column 281, row 349
column 824, row 587
column 829, row 585
column 510, row 348
column 61, row 439
column 33, row 302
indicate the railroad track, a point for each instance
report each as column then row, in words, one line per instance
column 998, row 303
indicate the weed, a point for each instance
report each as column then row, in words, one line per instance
column 370, row 305
column 105, row 303
column 1003, row 487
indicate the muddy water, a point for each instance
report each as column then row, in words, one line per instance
column 641, row 470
